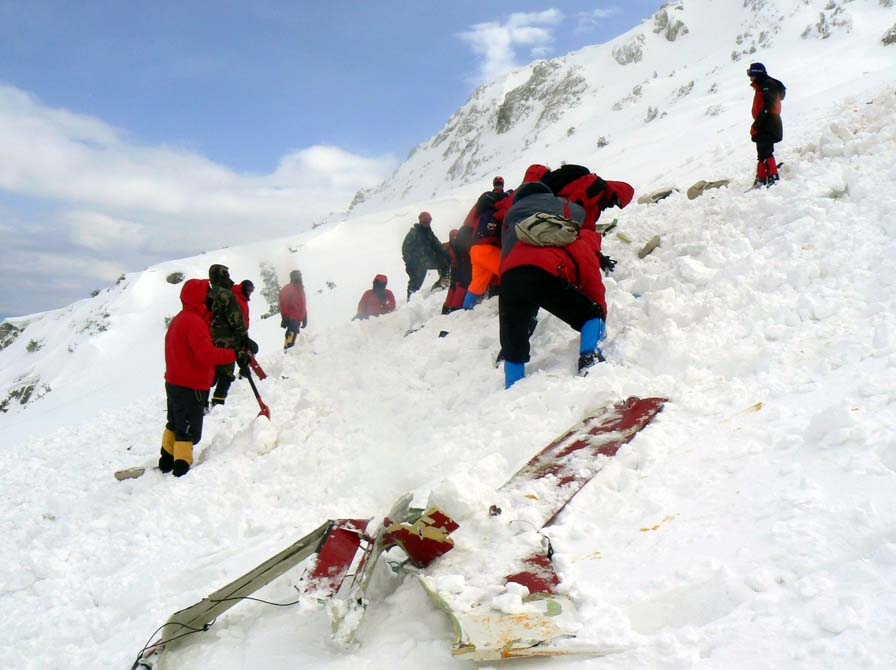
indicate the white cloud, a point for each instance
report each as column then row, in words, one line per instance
column 61, row 270
column 327, row 167
column 588, row 21
column 496, row 43
column 57, row 155
column 117, row 199
column 100, row 232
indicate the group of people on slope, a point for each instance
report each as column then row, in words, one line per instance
column 204, row 344
column 209, row 337
column 484, row 256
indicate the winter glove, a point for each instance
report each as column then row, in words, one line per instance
column 284, row 322
column 250, row 344
column 607, row 264
column 470, row 300
column 243, row 358
column 305, row 322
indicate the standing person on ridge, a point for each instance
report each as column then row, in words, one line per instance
column 227, row 326
column 190, row 360
column 421, row 251
column 767, row 128
column 293, row 308
column 377, row 300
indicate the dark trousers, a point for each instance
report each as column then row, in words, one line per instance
column 416, row 275
column 292, row 330
column 224, row 377
column 765, row 148
column 526, row 288
column 186, row 407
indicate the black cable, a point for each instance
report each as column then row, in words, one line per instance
column 258, row 600
column 152, row 645
column 191, row 631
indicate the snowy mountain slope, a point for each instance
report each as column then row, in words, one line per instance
column 677, row 81
column 750, row 526
column 699, row 133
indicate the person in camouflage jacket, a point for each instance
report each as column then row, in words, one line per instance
column 421, row 250
column 227, row 326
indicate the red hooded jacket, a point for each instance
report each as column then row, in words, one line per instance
column 242, row 301
column 595, row 195
column 578, row 263
column 190, row 356
column 292, row 302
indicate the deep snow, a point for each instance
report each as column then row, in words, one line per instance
column 750, row 526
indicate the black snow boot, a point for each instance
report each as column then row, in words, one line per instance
column 166, row 461
column 180, row 468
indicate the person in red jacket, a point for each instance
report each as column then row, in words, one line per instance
column 293, row 310
column 767, row 128
column 377, row 300
column 243, row 291
column 485, row 249
column 460, row 272
column 579, row 185
column 190, row 360
column 566, row 281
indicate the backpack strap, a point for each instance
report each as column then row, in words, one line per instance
column 596, row 187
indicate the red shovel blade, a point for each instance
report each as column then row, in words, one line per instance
column 265, row 410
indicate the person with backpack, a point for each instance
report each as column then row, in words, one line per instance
column 293, row 309
column 578, row 184
column 485, row 251
column 422, row 251
column 377, row 300
column 554, row 263
column 190, row 360
column 227, row 325
column 767, row 128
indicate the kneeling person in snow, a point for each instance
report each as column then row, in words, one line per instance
column 377, row 300
column 190, row 360
column 564, row 280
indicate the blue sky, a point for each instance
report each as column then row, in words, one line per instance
column 121, row 121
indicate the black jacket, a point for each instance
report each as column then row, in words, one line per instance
column 421, row 248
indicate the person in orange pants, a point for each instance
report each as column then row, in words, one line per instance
column 485, row 254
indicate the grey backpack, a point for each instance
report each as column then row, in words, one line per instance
column 547, row 230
